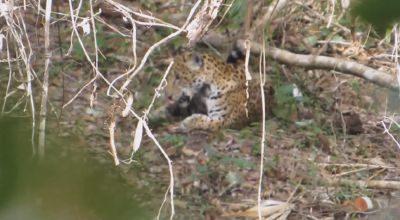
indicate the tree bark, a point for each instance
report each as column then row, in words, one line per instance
column 324, row 62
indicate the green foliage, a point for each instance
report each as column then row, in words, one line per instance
column 246, row 132
column 211, row 152
column 215, row 156
column 236, row 14
column 349, row 191
column 203, row 169
column 237, row 11
column 256, row 150
column 343, row 196
column 338, row 38
column 174, row 140
column 69, row 185
column 284, row 93
column 149, row 5
column 309, row 126
column 380, row 13
column 233, row 178
column 271, row 165
column 242, row 163
column 177, row 42
column 302, row 143
column 78, row 51
column 355, row 85
column 286, row 103
column 311, row 40
column 324, row 31
column 106, row 41
column 312, row 169
column 55, row 69
column 154, row 79
column 100, row 37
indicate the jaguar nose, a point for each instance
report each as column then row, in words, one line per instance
column 170, row 99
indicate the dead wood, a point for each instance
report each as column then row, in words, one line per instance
column 324, row 62
column 378, row 184
column 198, row 27
column 377, row 77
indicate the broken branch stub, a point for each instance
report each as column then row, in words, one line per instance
column 198, row 27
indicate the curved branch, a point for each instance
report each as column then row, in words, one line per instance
column 328, row 63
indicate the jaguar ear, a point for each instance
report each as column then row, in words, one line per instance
column 196, row 61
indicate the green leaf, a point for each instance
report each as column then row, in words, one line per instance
column 211, row 152
column 233, row 178
column 311, row 41
column 203, row 169
column 325, row 31
column 242, row 163
column 338, row 38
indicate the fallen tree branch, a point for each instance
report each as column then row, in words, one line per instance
column 378, row 184
column 328, row 63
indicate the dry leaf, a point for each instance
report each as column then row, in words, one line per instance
column 128, row 106
column 272, row 209
column 138, row 136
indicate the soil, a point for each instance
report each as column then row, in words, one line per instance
column 318, row 145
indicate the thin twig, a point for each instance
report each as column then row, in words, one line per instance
column 111, row 129
column 354, row 165
column 45, row 88
column 9, row 76
column 387, row 130
column 171, row 172
column 262, row 72
column 18, row 31
column 160, row 87
column 354, row 171
column 154, row 46
column 96, row 52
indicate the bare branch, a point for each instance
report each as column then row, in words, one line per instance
column 154, row 46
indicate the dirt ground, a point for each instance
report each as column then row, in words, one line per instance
column 315, row 167
column 324, row 151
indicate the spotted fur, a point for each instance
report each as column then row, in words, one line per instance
column 225, row 99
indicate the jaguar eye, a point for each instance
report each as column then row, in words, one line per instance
column 197, row 60
column 184, row 98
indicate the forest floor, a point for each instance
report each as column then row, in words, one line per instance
column 308, row 162
column 325, row 150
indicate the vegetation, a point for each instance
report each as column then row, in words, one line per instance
column 92, row 71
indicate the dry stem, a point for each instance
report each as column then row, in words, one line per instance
column 154, row 46
column 262, row 72
column 45, row 87
column 111, row 129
